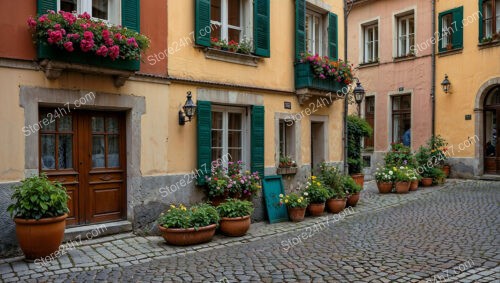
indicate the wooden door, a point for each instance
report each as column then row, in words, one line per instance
column 85, row 151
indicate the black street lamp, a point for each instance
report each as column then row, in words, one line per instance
column 446, row 84
column 359, row 95
column 189, row 110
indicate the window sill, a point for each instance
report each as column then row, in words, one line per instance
column 369, row 64
column 450, row 52
column 404, row 58
column 286, row 170
column 231, row 57
column 488, row 44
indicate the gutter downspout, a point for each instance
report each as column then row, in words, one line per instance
column 346, row 106
column 433, row 87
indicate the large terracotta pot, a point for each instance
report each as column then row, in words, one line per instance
column 40, row 238
column 384, row 187
column 426, row 182
column 414, row 185
column 352, row 200
column 235, row 227
column 189, row 236
column 296, row 214
column 359, row 179
column 446, row 170
column 402, row 187
column 336, row 205
column 316, row 209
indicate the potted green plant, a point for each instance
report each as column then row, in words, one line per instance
column 402, row 179
column 246, row 46
column 439, row 176
column 332, row 178
column 317, row 195
column 296, row 205
column 352, row 189
column 232, row 46
column 215, row 43
column 218, row 185
column 183, row 226
column 235, row 217
column 422, row 157
column 384, row 177
column 414, row 178
column 358, row 129
column 337, row 199
column 39, row 211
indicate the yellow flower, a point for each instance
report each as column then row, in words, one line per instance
column 184, row 209
column 313, row 177
column 286, row 201
column 172, row 206
column 299, row 200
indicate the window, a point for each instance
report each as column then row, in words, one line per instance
column 56, row 141
column 451, row 29
column 370, row 40
column 370, row 118
column 314, row 33
column 229, row 136
column 401, row 119
column 231, row 19
column 108, row 10
column 490, row 18
column 287, row 141
column 406, row 35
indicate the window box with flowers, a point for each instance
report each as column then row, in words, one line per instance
column 287, row 166
column 316, row 75
column 78, row 42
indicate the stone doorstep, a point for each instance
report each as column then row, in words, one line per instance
column 91, row 232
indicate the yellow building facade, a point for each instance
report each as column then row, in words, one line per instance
column 469, row 54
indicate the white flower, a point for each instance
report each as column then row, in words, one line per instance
column 306, row 194
column 390, row 172
column 281, row 195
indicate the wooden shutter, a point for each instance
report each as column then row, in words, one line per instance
column 257, row 140
column 481, row 33
column 44, row 5
column 458, row 35
column 300, row 27
column 202, row 23
column 333, row 36
column 204, row 139
column 261, row 33
column 131, row 11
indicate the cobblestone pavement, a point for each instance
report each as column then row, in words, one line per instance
column 446, row 234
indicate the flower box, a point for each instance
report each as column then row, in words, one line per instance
column 286, row 170
column 44, row 51
column 305, row 78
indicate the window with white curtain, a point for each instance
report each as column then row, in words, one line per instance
column 107, row 10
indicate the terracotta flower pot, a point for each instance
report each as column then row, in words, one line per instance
column 352, row 200
column 296, row 214
column 336, row 205
column 359, row 179
column 189, row 236
column 402, row 187
column 384, row 187
column 426, row 182
column 316, row 209
column 414, row 185
column 446, row 170
column 235, row 227
column 40, row 238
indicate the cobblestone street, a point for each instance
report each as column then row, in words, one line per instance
column 447, row 234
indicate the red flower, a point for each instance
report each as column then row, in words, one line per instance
column 69, row 46
column 102, row 51
column 114, row 52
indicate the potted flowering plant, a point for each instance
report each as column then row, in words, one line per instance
column 402, row 178
column 232, row 46
column 414, row 178
column 246, row 46
column 332, row 178
column 243, row 184
column 215, row 43
column 326, row 68
column 353, row 190
column 384, row 177
column 183, row 226
column 296, row 205
column 317, row 195
column 235, row 217
column 218, row 184
column 87, row 40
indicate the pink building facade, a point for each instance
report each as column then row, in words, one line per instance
column 387, row 43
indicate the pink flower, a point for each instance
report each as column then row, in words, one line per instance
column 85, row 26
column 86, row 45
column 69, row 46
column 84, row 16
column 88, row 35
column 114, row 52
column 131, row 41
column 57, row 26
column 31, row 22
column 55, row 36
column 43, row 18
column 118, row 36
column 68, row 17
column 109, row 41
column 105, row 34
column 102, row 51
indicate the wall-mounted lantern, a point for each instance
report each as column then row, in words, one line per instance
column 189, row 110
column 446, row 84
column 359, row 95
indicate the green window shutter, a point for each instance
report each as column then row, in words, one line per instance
column 204, row 139
column 440, row 31
column 481, row 35
column 43, row 5
column 202, row 23
column 458, row 34
column 300, row 27
column 261, row 32
column 333, row 36
column 131, row 14
column 257, row 140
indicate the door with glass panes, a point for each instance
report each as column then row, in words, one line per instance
column 85, row 151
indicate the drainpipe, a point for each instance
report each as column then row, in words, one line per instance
column 346, row 106
column 433, row 83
